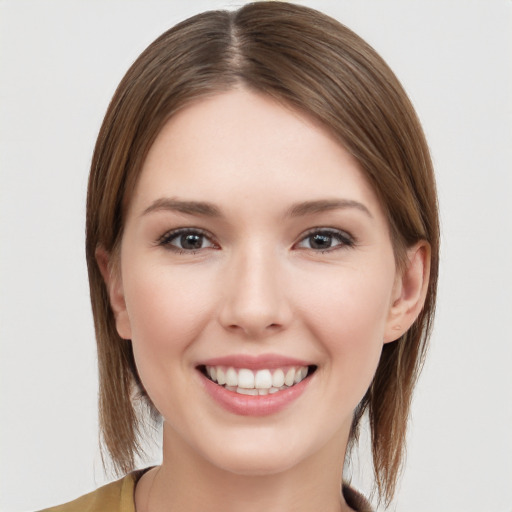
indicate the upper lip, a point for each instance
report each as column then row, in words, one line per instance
column 269, row 361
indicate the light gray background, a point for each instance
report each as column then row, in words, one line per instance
column 60, row 62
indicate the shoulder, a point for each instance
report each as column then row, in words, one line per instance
column 114, row 497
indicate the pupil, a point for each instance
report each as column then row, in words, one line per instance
column 320, row 241
column 191, row 241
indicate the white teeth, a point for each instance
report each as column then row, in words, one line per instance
column 300, row 374
column 231, row 377
column 245, row 379
column 245, row 391
column 260, row 382
column 290, row 377
column 278, row 378
column 221, row 377
column 263, row 379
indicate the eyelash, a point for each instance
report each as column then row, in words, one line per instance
column 345, row 240
column 166, row 239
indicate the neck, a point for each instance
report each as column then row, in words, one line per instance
column 186, row 482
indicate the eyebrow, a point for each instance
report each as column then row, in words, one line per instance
column 324, row 205
column 188, row 207
column 206, row 209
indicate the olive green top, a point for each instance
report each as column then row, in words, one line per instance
column 118, row 496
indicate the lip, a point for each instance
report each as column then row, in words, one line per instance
column 269, row 361
column 248, row 405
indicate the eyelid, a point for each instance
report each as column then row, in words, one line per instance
column 345, row 238
column 170, row 235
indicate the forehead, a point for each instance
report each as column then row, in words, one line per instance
column 241, row 144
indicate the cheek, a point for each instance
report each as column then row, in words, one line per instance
column 351, row 301
column 167, row 310
column 160, row 297
column 347, row 314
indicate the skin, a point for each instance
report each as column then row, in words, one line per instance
column 256, row 285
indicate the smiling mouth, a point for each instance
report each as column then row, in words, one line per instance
column 257, row 382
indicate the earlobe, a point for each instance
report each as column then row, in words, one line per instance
column 409, row 292
column 113, row 282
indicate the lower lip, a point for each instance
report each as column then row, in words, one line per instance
column 250, row 405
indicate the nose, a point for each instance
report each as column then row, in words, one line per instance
column 255, row 301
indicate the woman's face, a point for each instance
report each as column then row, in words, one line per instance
column 256, row 252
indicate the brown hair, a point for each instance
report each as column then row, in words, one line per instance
column 313, row 63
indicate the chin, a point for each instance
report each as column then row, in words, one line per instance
column 260, row 457
column 257, row 464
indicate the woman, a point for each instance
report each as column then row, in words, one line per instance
column 262, row 244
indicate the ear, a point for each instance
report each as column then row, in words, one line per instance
column 409, row 291
column 114, row 284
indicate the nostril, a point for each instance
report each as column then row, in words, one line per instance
column 235, row 327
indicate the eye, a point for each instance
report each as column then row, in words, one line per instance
column 186, row 240
column 325, row 240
